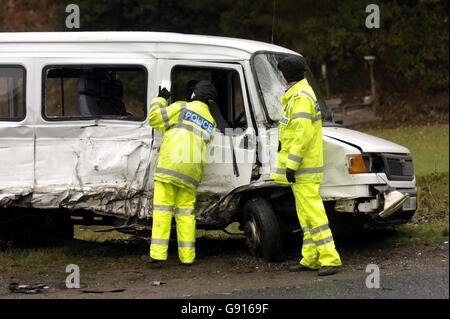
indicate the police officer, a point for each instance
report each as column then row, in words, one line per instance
column 300, row 163
column 188, row 128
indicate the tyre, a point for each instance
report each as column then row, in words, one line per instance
column 262, row 230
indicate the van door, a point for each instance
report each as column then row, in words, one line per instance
column 231, row 154
column 16, row 133
column 93, row 145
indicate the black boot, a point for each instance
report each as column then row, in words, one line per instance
column 154, row 263
column 328, row 270
column 299, row 268
column 189, row 264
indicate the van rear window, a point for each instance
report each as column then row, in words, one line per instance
column 84, row 92
column 12, row 93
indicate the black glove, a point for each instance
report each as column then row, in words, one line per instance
column 290, row 175
column 164, row 93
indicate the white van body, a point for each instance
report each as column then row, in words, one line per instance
column 105, row 165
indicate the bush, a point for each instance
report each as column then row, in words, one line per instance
column 411, row 44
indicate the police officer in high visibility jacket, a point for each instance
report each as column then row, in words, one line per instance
column 188, row 128
column 300, row 163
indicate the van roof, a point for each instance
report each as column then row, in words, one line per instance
column 239, row 48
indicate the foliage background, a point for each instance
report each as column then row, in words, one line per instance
column 412, row 45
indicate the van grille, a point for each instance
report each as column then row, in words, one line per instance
column 398, row 167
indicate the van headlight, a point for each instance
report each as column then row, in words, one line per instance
column 356, row 164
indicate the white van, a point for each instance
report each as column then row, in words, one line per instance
column 74, row 140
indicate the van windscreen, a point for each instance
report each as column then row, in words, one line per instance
column 272, row 86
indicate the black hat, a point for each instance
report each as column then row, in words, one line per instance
column 293, row 68
column 204, row 91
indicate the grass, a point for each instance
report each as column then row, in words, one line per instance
column 26, row 262
column 429, row 146
column 426, row 232
column 434, row 198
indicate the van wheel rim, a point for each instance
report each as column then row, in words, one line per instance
column 252, row 234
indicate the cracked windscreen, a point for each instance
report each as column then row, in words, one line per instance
column 272, row 85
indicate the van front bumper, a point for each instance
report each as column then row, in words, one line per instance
column 406, row 212
column 371, row 207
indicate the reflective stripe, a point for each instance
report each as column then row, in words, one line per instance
column 310, row 96
column 295, row 158
column 165, row 208
column 308, row 170
column 184, row 177
column 305, row 229
column 159, row 241
column 182, row 111
column 156, row 103
column 184, row 244
column 308, row 241
column 188, row 127
column 164, row 115
column 319, row 229
column 324, row 241
column 304, row 115
column 192, row 129
column 185, row 211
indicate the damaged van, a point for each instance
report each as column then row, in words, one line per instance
column 75, row 146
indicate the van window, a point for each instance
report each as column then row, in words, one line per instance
column 12, row 93
column 80, row 92
column 228, row 110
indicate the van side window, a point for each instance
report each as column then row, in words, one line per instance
column 12, row 93
column 109, row 92
column 229, row 105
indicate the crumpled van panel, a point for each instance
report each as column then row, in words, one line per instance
column 16, row 163
column 104, row 167
column 98, row 167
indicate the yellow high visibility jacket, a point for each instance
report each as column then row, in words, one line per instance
column 188, row 128
column 300, row 134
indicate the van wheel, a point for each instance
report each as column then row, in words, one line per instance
column 262, row 230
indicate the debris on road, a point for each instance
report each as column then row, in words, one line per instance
column 26, row 289
column 158, row 283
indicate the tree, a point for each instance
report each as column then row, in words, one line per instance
column 133, row 15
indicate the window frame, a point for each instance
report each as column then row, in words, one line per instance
column 24, row 93
column 96, row 117
column 224, row 67
column 233, row 101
